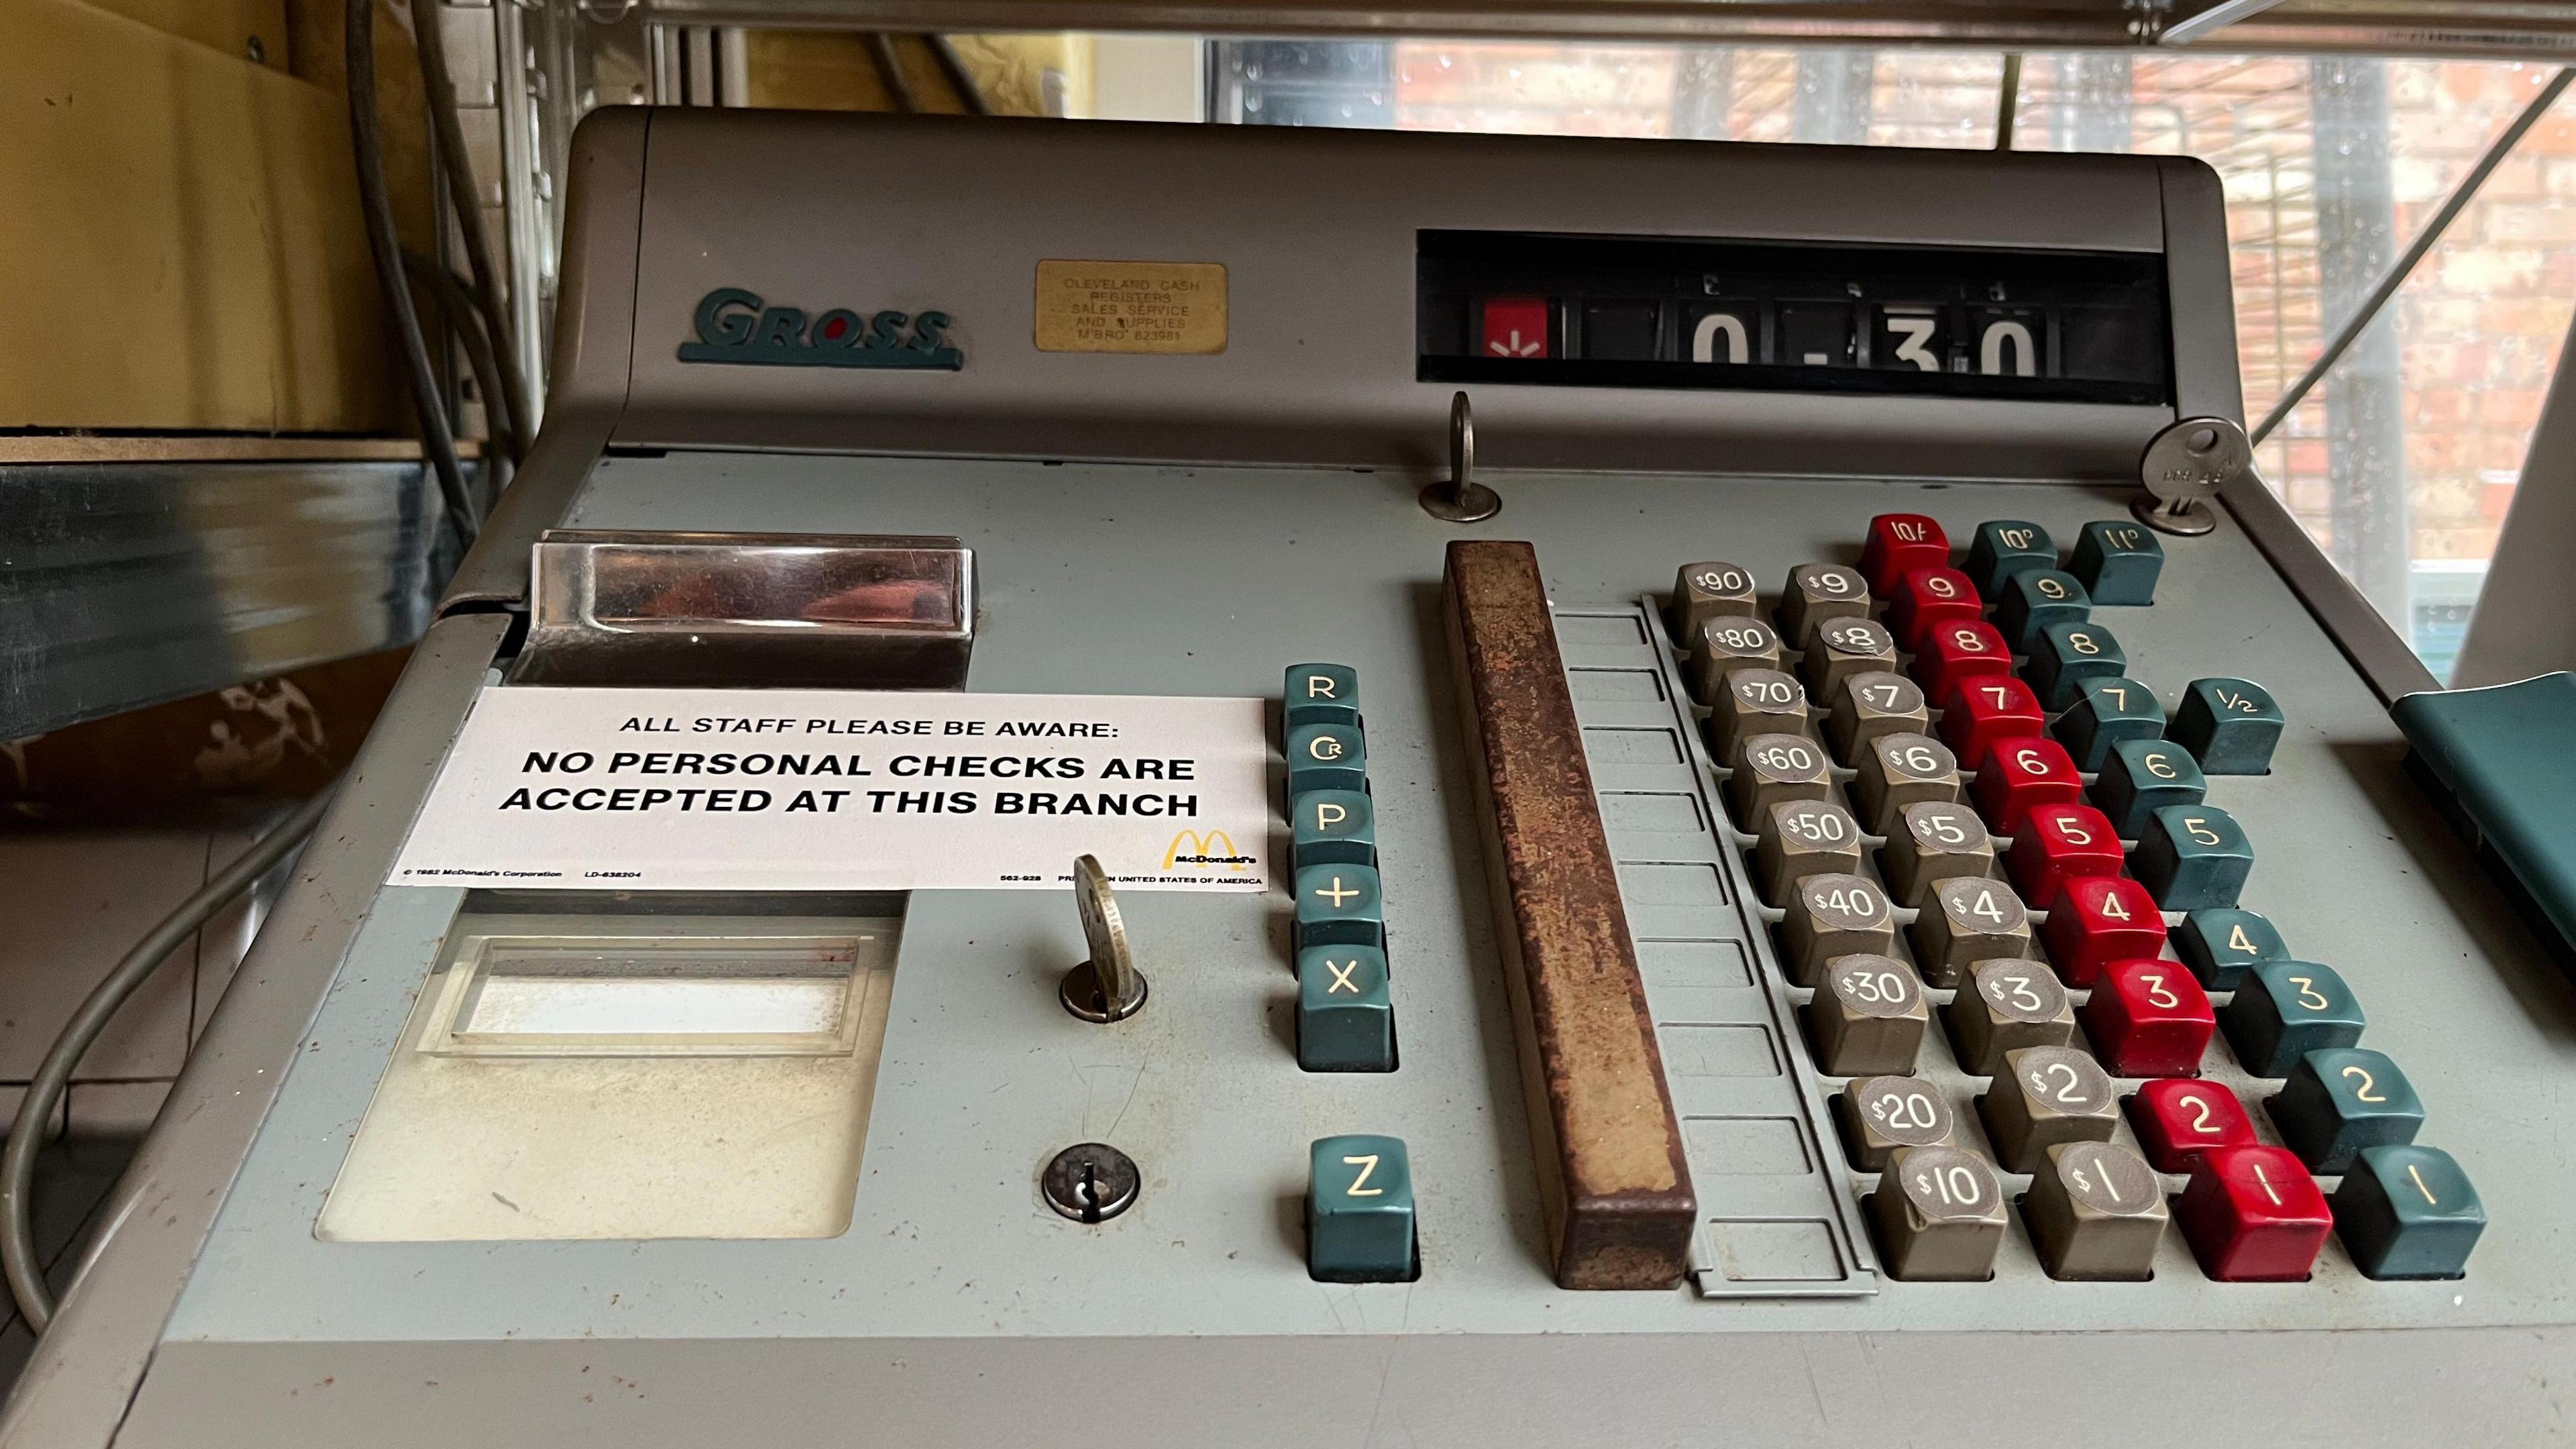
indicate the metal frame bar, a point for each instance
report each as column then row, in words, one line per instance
column 2492, row 28
column 2197, row 22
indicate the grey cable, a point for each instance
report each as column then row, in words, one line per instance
column 471, row 324
column 517, row 420
column 960, row 79
column 366, row 137
column 2395, row 276
column 18, row 1254
column 890, row 70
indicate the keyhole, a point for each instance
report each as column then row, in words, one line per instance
column 1088, row 1192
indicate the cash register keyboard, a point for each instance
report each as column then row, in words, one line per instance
column 1953, row 950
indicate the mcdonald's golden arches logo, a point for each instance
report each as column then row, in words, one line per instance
column 1216, row 848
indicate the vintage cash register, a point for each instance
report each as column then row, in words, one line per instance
column 1185, row 786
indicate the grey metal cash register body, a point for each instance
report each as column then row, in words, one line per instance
column 1677, row 1169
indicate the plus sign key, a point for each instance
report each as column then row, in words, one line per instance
column 1339, row 905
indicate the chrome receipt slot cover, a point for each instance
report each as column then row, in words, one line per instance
column 652, row 608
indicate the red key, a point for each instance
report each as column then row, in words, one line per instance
column 1961, row 649
column 2178, row 1119
column 2099, row 919
column 2149, row 1019
column 1925, row 597
column 2057, row 843
column 2018, row 776
column 2253, row 1215
column 1984, row 708
column 1900, row 543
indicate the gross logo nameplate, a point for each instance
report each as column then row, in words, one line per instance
column 809, row 789
column 735, row 326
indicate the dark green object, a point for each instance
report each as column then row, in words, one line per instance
column 2107, row 710
column 2408, row 1212
column 1326, row 757
column 1339, row 905
column 2229, row 725
column 2118, row 561
column 1345, row 1020
column 2283, row 1010
column 2031, row 601
column 2142, row 777
column 1332, row 827
column 2065, row 655
column 1321, row 694
column 2005, row 547
column 2191, row 856
column 2221, row 945
column 2497, row 762
column 2340, row 1100
column 1359, row 1211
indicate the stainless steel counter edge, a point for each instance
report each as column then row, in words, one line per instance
column 76, row 1387
column 2386, row 662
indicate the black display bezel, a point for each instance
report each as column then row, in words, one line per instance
column 1456, row 268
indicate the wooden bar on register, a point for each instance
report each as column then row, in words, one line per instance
column 1612, row 1181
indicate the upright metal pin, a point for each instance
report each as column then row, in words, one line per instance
column 1460, row 498
column 1107, row 987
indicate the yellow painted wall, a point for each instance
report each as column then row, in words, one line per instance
column 180, row 233
column 235, row 27
column 822, row 70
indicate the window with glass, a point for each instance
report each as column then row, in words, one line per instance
column 2400, row 461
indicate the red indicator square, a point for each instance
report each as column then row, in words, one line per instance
column 1925, row 597
column 2253, row 1215
column 1963, row 649
column 2099, row 919
column 1900, row 543
column 2149, row 1019
column 2057, row 843
column 2018, row 776
column 2178, row 1119
column 1515, row 327
column 1984, row 708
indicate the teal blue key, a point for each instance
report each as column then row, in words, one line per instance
column 2118, row 562
column 1339, row 905
column 2065, row 655
column 2107, row 709
column 2284, row 1010
column 2005, row 547
column 1332, row 827
column 2340, row 1100
column 1345, row 1020
column 2029, row 602
column 2408, row 1212
column 1321, row 694
column 2229, row 725
column 2142, row 777
column 2220, row 945
column 1359, row 1211
column 2191, row 856
column 1326, row 757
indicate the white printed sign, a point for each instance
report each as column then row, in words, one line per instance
column 791, row 789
